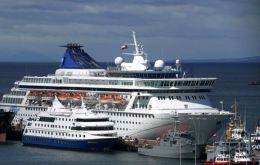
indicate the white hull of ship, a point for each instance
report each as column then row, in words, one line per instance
column 200, row 126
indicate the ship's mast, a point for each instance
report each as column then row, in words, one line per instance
column 139, row 61
column 138, row 48
column 137, row 51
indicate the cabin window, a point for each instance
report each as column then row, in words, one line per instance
column 178, row 97
column 47, row 119
column 188, row 97
column 92, row 120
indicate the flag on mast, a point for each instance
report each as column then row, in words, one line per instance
column 124, row 47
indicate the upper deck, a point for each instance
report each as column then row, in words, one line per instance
column 117, row 83
column 137, row 75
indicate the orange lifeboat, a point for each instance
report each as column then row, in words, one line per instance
column 118, row 100
column 105, row 99
column 76, row 97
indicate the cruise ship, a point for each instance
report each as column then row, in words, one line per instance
column 142, row 100
column 71, row 128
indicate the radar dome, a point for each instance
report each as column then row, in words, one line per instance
column 118, row 60
column 159, row 64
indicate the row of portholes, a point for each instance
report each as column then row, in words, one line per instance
column 125, row 122
column 180, row 98
column 52, row 133
column 128, row 114
column 141, row 106
column 35, row 109
column 124, row 129
column 64, row 119
column 52, row 126
column 23, row 114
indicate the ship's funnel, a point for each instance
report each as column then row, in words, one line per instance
column 76, row 58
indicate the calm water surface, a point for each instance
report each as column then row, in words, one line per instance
column 14, row 153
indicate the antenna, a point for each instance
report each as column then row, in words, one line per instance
column 135, row 43
column 138, row 48
column 235, row 109
column 245, row 118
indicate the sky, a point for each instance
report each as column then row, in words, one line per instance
column 33, row 30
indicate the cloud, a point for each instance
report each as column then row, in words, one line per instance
column 225, row 27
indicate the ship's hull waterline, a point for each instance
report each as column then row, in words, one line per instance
column 84, row 144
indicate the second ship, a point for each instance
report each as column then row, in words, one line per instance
column 71, row 128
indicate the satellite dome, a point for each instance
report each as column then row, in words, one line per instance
column 159, row 64
column 118, row 60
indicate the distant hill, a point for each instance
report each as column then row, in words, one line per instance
column 255, row 59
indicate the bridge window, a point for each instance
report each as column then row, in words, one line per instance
column 193, row 83
column 202, row 83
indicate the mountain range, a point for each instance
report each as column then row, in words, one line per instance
column 255, row 59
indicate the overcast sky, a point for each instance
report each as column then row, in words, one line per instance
column 32, row 30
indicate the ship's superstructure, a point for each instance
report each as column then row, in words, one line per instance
column 142, row 100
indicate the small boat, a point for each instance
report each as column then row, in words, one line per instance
column 220, row 159
column 76, row 128
column 236, row 129
column 255, row 140
column 240, row 158
column 229, row 153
